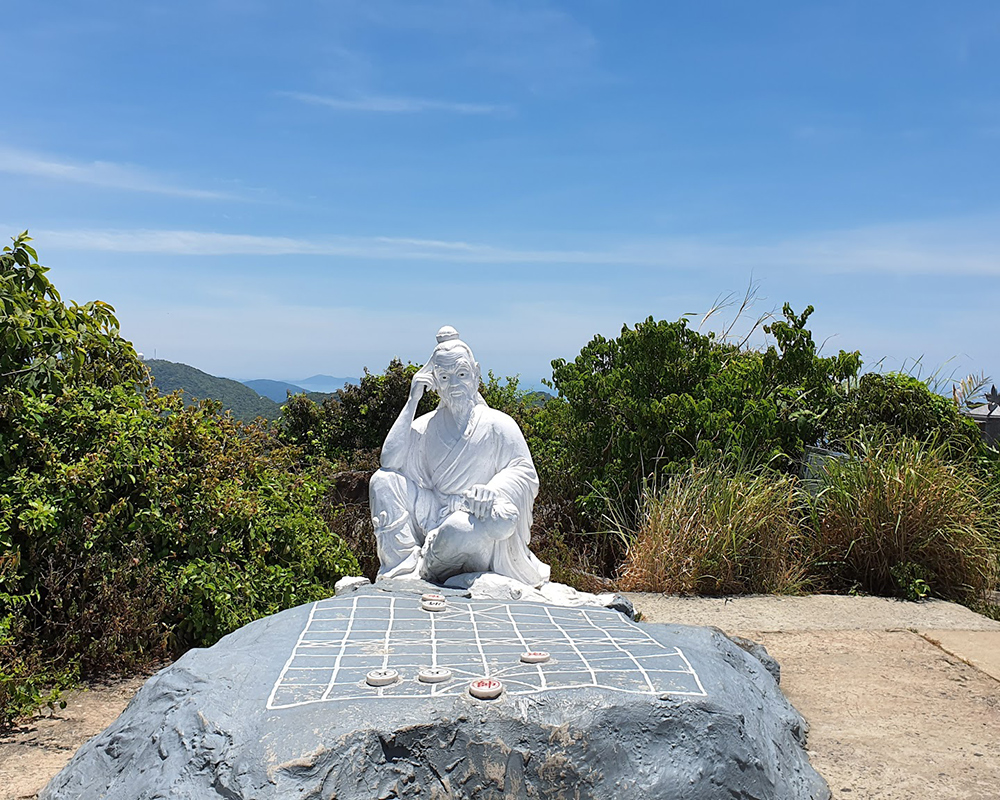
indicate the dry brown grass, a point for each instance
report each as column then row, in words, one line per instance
column 898, row 518
column 709, row 532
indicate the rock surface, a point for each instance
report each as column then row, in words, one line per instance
column 281, row 708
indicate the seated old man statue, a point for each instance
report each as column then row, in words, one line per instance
column 456, row 487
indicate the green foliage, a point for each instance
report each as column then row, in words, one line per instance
column 131, row 526
column 46, row 344
column 642, row 406
column 244, row 403
column 357, row 418
column 900, row 405
column 142, row 526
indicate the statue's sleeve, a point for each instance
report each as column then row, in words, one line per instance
column 414, row 465
column 516, row 478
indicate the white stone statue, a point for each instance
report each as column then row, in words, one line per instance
column 456, row 487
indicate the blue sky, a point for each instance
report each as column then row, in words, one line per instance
column 266, row 189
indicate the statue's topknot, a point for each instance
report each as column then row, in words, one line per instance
column 446, row 334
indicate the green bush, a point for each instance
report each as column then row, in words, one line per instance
column 131, row 527
column 45, row 343
column 355, row 419
column 646, row 404
column 140, row 527
column 902, row 406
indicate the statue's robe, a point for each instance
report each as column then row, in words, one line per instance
column 434, row 478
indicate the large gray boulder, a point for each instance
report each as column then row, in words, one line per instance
column 282, row 708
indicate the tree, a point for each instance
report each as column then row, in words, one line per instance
column 131, row 526
column 46, row 344
column 645, row 404
column 357, row 418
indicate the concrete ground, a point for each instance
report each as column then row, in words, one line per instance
column 903, row 699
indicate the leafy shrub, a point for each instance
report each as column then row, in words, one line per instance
column 646, row 404
column 45, row 343
column 902, row 406
column 139, row 527
column 357, row 418
column 711, row 531
column 899, row 518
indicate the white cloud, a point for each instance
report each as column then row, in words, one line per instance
column 98, row 173
column 965, row 247
column 399, row 105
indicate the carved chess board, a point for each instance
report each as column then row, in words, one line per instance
column 346, row 638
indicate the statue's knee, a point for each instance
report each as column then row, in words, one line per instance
column 456, row 547
column 386, row 488
column 455, row 529
column 381, row 480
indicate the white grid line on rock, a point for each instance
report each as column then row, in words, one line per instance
column 378, row 631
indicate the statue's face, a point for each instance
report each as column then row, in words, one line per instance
column 456, row 381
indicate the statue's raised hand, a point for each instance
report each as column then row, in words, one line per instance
column 423, row 380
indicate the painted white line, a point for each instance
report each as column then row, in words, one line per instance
column 291, row 658
column 517, row 630
column 388, row 632
column 461, row 688
column 691, row 669
column 693, row 673
column 497, row 627
column 479, row 643
column 434, row 654
column 635, row 661
column 583, row 658
column 343, row 646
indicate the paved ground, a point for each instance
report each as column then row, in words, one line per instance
column 903, row 699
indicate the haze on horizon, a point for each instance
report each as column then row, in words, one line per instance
column 266, row 193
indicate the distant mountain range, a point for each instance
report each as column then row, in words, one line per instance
column 257, row 398
column 277, row 390
column 325, row 383
column 246, row 399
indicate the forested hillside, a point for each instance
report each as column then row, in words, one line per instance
column 244, row 402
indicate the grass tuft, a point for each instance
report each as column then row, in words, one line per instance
column 897, row 518
column 715, row 533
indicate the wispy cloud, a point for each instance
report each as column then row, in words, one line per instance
column 382, row 104
column 106, row 174
column 964, row 247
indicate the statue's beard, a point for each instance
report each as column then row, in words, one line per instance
column 460, row 406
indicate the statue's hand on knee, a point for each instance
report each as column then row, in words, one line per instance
column 480, row 500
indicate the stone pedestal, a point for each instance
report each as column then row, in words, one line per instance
column 287, row 707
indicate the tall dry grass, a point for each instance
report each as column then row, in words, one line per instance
column 709, row 531
column 897, row 518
